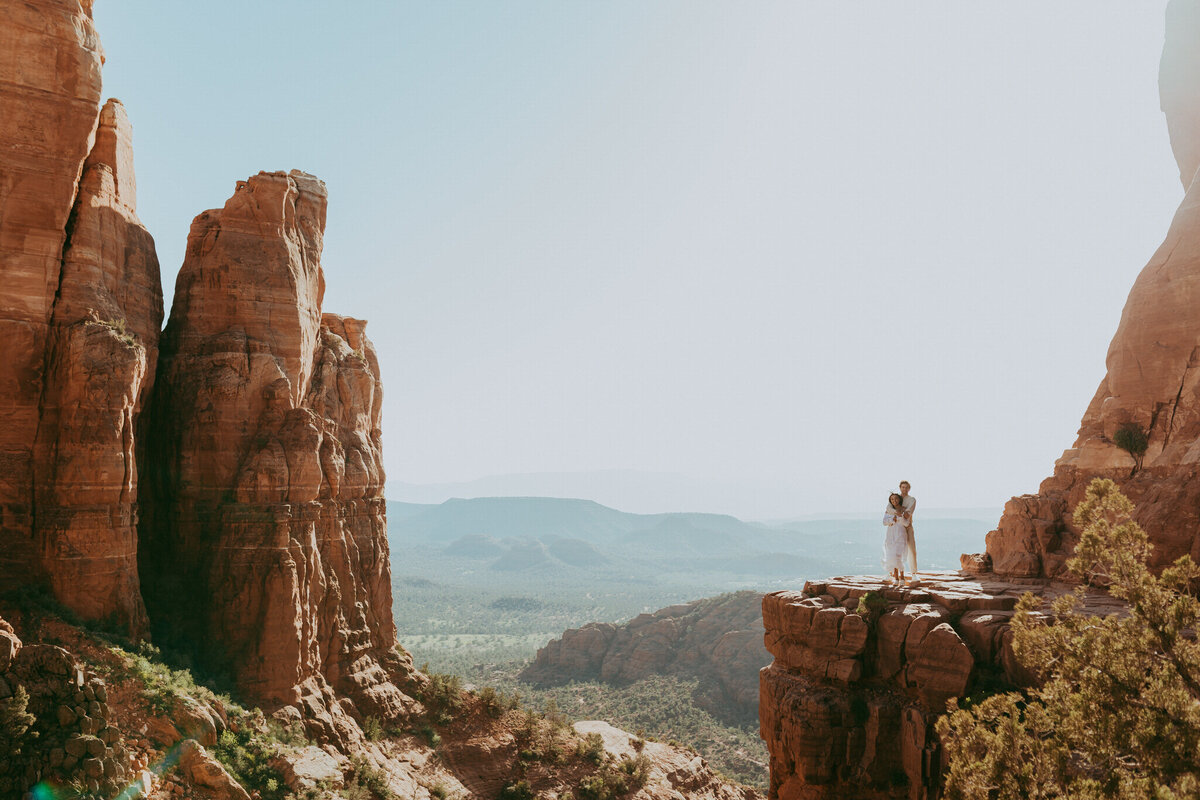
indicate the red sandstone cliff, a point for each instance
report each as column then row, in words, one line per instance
column 80, row 311
column 264, row 532
column 100, row 360
column 1153, row 373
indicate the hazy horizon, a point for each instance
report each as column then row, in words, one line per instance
column 646, row 493
column 790, row 255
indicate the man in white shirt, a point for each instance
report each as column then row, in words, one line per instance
column 910, row 504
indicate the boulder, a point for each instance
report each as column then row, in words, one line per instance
column 308, row 768
column 10, row 645
column 206, row 773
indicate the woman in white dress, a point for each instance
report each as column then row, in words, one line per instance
column 895, row 542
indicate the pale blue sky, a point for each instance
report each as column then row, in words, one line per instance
column 799, row 249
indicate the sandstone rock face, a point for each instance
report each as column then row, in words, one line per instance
column 847, row 707
column 80, row 310
column 103, row 344
column 1153, row 377
column 50, row 61
column 717, row 639
column 264, row 531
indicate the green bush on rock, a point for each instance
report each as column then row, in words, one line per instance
column 15, row 723
column 1117, row 714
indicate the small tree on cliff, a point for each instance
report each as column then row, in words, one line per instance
column 1117, row 714
column 1133, row 440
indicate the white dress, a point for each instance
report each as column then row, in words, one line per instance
column 895, row 542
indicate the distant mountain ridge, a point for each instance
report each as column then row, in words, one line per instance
column 640, row 491
column 504, row 517
column 556, row 533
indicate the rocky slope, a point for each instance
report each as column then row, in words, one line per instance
column 104, row 719
column 849, row 702
column 716, row 639
column 1152, row 383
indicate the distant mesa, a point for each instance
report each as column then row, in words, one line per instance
column 576, row 552
column 415, row 582
column 686, row 535
column 476, row 546
column 523, row 555
column 580, row 534
column 511, row 517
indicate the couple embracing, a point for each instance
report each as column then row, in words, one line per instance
column 900, row 545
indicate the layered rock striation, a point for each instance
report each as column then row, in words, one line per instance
column 717, row 639
column 264, row 528
column 80, row 311
column 849, row 703
column 50, row 60
column 1152, row 384
column 100, row 361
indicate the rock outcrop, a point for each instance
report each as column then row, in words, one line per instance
column 264, row 529
column 1152, row 385
column 205, row 772
column 716, row 639
column 672, row 774
column 848, row 705
column 80, row 311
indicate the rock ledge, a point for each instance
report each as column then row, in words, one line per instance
column 847, row 707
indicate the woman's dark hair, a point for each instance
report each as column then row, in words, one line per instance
column 893, row 497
